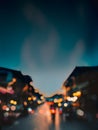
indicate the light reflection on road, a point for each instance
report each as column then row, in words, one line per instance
column 42, row 118
column 57, row 120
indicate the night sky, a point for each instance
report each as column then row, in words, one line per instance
column 46, row 39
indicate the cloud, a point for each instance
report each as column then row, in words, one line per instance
column 26, row 55
column 49, row 49
column 77, row 53
column 41, row 49
column 50, row 80
column 34, row 15
column 41, row 46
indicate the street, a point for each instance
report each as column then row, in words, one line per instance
column 41, row 120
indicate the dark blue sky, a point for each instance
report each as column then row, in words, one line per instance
column 47, row 39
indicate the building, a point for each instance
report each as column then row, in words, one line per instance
column 83, row 82
column 14, row 87
column 13, row 81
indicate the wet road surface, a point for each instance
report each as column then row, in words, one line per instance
column 41, row 120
